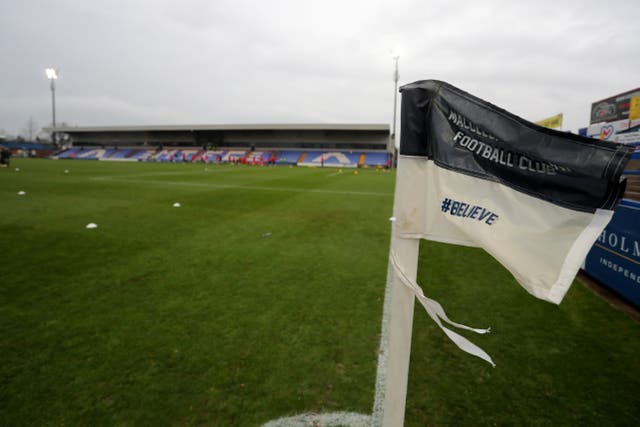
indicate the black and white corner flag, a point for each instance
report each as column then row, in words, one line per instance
column 473, row 174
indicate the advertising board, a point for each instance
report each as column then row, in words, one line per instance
column 613, row 108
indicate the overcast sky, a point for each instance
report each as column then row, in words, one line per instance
column 228, row 62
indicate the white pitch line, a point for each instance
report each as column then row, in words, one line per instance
column 381, row 370
column 333, row 419
column 244, row 187
column 142, row 175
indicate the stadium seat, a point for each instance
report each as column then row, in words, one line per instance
column 288, row 157
column 376, row 159
column 343, row 159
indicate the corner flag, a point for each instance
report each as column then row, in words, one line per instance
column 473, row 174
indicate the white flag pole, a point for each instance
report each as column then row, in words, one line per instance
column 397, row 318
column 397, row 325
column 400, row 330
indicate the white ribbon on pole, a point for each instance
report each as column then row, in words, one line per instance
column 436, row 312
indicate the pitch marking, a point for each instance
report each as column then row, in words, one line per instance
column 333, row 419
column 243, row 187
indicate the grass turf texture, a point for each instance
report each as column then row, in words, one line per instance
column 196, row 315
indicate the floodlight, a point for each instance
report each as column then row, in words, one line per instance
column 51, row 73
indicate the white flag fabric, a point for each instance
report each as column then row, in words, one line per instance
column 540, row 243
column 470, row 173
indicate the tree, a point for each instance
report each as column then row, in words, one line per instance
column 30, row 130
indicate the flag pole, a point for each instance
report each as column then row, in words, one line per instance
column 400, row 331
column 395, row 340
column 397, row 318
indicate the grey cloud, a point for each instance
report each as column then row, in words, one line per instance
column 202, row 61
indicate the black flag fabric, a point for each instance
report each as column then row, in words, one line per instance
column 463, row 133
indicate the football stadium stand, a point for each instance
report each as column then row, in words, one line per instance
column 331, row 145
column 22, row 145
column 213, row 156
column 161, row 156
column 233, row 156
column 288, row 157
column 376, row 159
column 191, row 155
column 258, row 157
column 118, row 154
column 67, row 154
column 93, row 154
column 313, row 158
column 138, row 155
column 176, row 156
column 28, row 149
column 343, row 159
column 108, row 153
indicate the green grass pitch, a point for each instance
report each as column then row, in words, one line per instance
column 261, row 297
